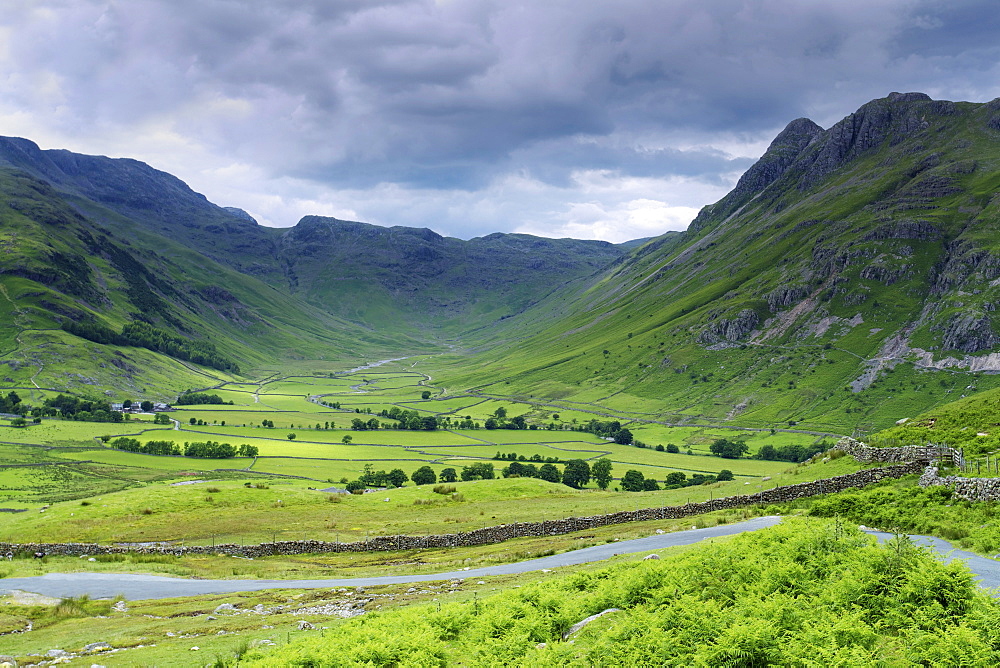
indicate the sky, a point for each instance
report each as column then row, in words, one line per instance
column 592, row 119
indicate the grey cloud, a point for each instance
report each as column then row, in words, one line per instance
column 454, row 95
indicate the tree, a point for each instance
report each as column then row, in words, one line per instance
column 672, row 448
column 448, row 475
column 429, row 423
column 675, row 478
column 601, row 471
column 500, row 413
column 357, row 424
column 127, row 404
column 425, row 394
column 397, row 478
column 632, row 481
column 478, row 471
column 549, row 473
column 355, row 487
column 724, row 475
column 18, row 422
column 623, row 437
column 193, row 420
column 649, row 485
column 347, row 439
column 491, row 423
column 518, row 422
column 727, row 449
column 424, row 476
column 291, row 437
column 767, row 451
column 576, row 473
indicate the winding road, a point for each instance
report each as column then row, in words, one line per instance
column 138, row 587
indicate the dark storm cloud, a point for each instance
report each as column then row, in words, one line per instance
column 457, row 94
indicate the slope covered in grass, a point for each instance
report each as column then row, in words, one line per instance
column 847, row 281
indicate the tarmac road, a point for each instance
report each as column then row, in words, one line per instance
column 137, row 587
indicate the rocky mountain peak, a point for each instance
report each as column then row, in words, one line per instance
column 894, row 118
column 780, row 155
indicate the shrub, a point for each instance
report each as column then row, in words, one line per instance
column 444, row 489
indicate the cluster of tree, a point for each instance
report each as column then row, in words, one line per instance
column 372, row 478
column 610, row 429
column 206, row 449
column 76, row 408
column 145, row 406
column 729, row 449
column 148, row 448
column 791, row 453
column 143, row 335
column 216, row 450
column 547, row 472
column 199, row 398
column 576, row 472
column 513, row 456
column 10, row 403
column 405, row 419
column 635, row 481
column 267, row 423
column 199, row 352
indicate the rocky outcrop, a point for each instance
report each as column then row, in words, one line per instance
column 730, row 329
column 895, row 116
column 785, row 296
column 920, row 230
column 885, row 273
column 780, row 155
column 969, row 332
column 993, row 114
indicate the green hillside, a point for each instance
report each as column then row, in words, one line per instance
column 849, row 280
column 87, row 309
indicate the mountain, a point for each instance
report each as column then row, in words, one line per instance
column 851, row 278
column 96, row 246
column 440, row 285
column 92, row 301
column 848, row 280
column 398, row 277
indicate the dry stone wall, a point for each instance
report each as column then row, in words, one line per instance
column 907, row 453
column 495, row 534
column 970, row 489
